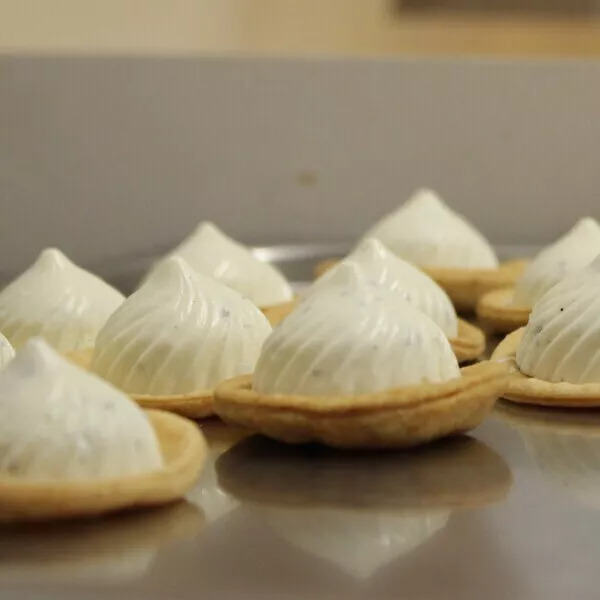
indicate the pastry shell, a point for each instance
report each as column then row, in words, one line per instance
column 184, row 451
column 529, row 390
column 468, row 345
column 396, row 418
column 196, row 405
column 463, row 286
column 497, row 313
column 453, row 473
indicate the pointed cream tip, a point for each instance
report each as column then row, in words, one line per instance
column 52, row 257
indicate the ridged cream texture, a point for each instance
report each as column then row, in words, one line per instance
column 574, row 250
column 7, row 352
column 180, row 333
column 571, row 460
column 426, row 232
column 57, row 300
column 59, row 422
column 561, row 341
column 360, row 544
column 355, row 339
column 210, row 252
column 383, row 268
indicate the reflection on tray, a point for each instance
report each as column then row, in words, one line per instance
column 207, row 494
column 110, row 550
column 360, row 511
column 565, row 446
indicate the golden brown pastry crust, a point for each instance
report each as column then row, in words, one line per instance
column 468, row 345
column 278, row 312
column 456, row 472
column 194, row 406
column 530, row 390
column 464, row 286
column 497, row 313
column 184, row 451
column 396, row 418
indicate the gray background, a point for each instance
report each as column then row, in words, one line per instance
column 117, row 158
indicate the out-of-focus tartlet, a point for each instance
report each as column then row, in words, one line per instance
column 508, row 309
column 174, row 339
column 380, row 267
column 212, row 253
column 429, row 234
column 555, row 359
column 358, row 367
column 59, row 301
column 71, row 445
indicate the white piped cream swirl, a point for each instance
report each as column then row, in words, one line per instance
column 7, row 352
column 58, row 422
column 210, row 252
column 379, row 266
column 180, row 333
column 356, row 338
column 574, row 250
column 561, row 342
column 426, row 232
column 57, row 300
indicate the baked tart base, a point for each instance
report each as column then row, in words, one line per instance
column 278, row 312
column 396, row 418
column 463, row 286
column 530, row 390
column 497, row 313
column 184, row 451
column 196, row 405
column 468, row 345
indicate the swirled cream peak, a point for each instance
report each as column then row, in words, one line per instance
column 426, row 232
column 356, row 338
column 574, row 250
column 210, row 252
column 181, row 332
column 57, row 300
column 383, row 268
column 561, row 340
column 58, row 422
column 7, row 352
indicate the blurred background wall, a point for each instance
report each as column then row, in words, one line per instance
column 125, row 123
column 372, row 27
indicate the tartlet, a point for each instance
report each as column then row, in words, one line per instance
column 427, row 233
column 508, row 309
column 175, row 338
column 59, row 301
column 71, row 445
column 212, row 253
column 382, row 268
column 359, row 369
column 555, row 359
column 398, row 502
